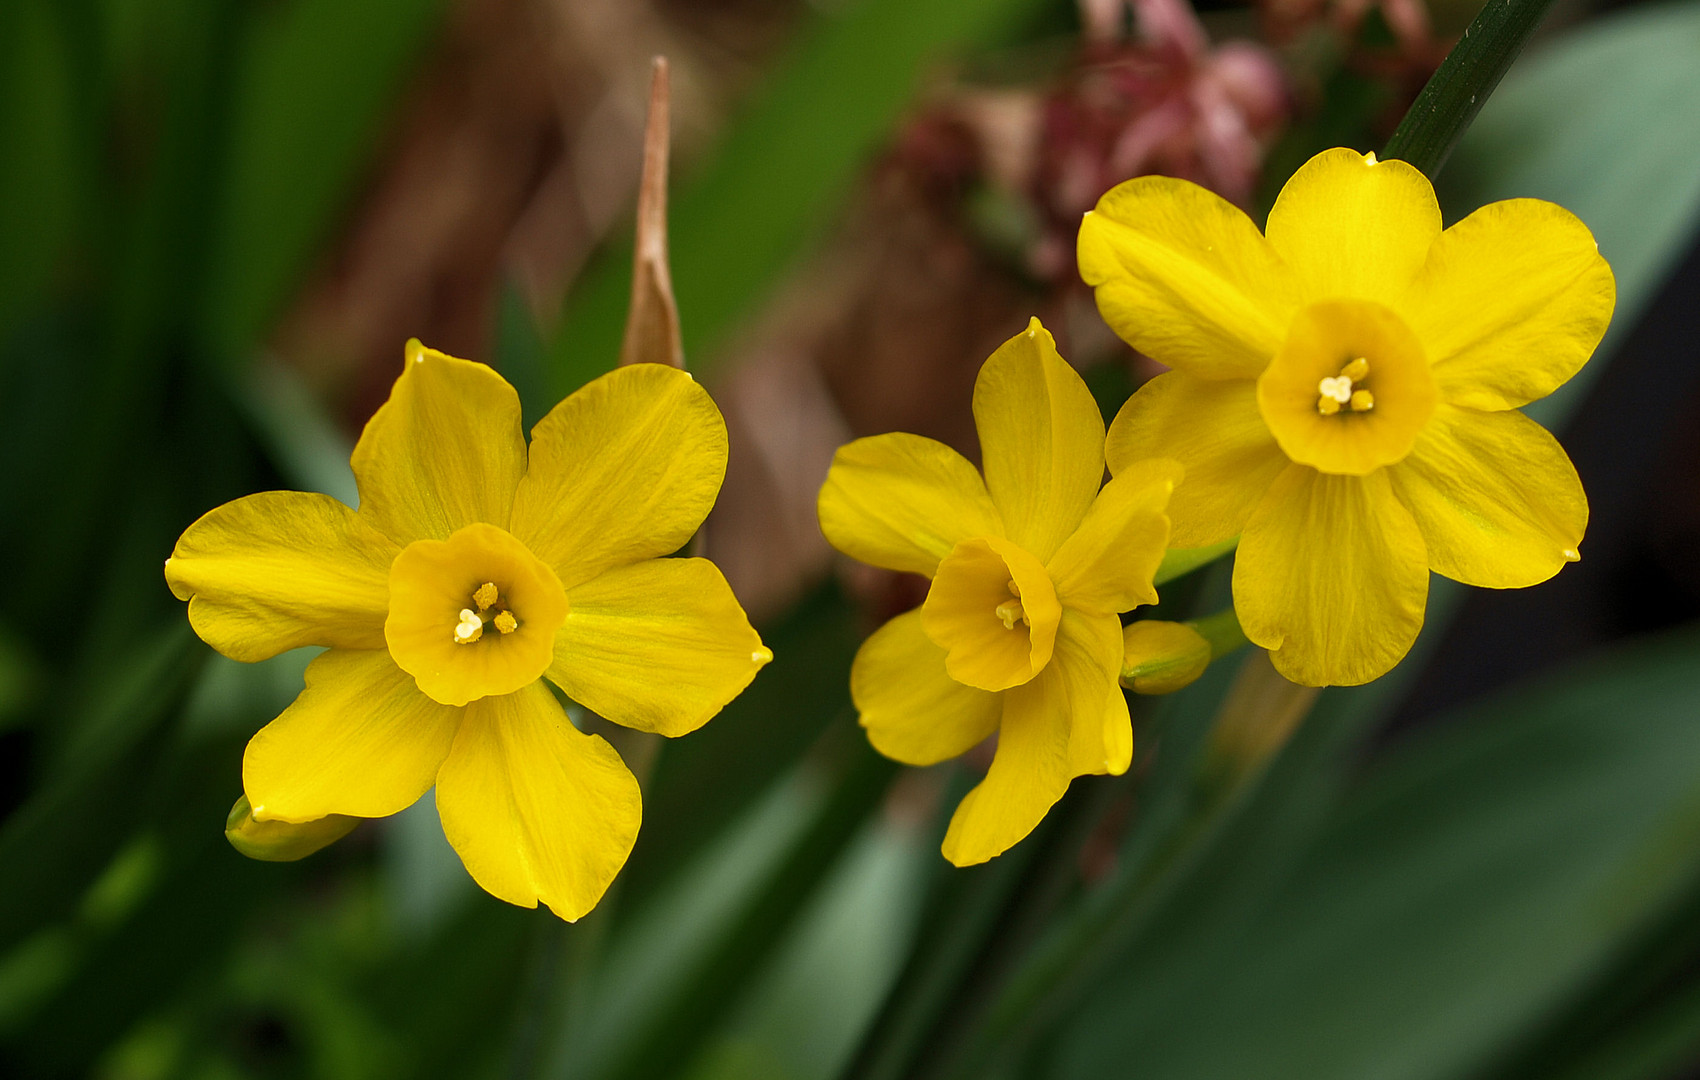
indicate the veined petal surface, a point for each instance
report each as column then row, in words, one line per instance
column 659, row 646
column 361, row 740
column 624, row 469
column 902, row 502
column 914, row 712
column 1496, row 497
column 1107, row 565
column 1351, row 226
column 1029, row 773
column 1331, row 577
column 1214, row 429
column 444, row 451
column 1510, row 303
column 1182, row 275
column 537, row 810
column 1041, row 440
column 1089, row 651
column 281, row 569
column 1070, row 719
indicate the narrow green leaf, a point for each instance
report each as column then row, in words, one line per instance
column 1461, row 893
column 1457, row 91
column 315, row 80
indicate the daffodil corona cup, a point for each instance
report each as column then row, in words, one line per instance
column 1029, row 564
column 477, row 570
column 1344, row 393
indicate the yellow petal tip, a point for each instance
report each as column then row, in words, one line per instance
column 1369, row 158
column 414, row 351
column 1572, row 555
column 762, row 655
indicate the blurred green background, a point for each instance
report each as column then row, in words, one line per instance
column 220, row 220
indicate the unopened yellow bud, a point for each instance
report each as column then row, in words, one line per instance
column 1162, row 657
column 279, row 841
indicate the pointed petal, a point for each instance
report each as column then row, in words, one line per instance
column 1041, row 440
column 1511, row 302
column 361, row 740
column 1107, row 565
column 660, row 646
column 1070, row 720
column 902, row 502
column 1351, row 226
column 622, row 470
column 1214, row 429
column 914, row 712
column 1182, row 275
column 445, row 450
column 281, row 569
column 1496, row 498
column 535, row 809
column 1332, row 577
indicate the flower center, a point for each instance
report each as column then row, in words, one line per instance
column 1339, row 390
column 445, row 595
column 1349, row 390
column 491, row 610
column 994, row 611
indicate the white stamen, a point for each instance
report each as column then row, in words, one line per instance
column 471, row 626
column 1339, row 387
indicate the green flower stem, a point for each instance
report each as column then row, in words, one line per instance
column 1222, row 630
column 1180, row 561
column 978, row 926
column 677, row 1030
column 1443, row 111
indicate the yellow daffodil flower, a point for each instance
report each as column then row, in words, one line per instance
column 1029, row 566
column 1345, row 391
column 475, row 568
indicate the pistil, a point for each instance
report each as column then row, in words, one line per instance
column 1011, row 611
column 472, row 623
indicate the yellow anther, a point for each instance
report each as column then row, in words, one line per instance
column 486, row 595
column 1362, row 401
column 1014, row 589
column 505, row 622
column 470, row 628
column 1327, row 406
column 1339, row 388
column 1011, row 611
column 1355, row 370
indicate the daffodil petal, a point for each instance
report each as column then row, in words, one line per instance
column 537, row 810
column 1069, row 720
column 659, row 646
column 1091, row 648
column 1496, row 498
column 902, row 502
column 1214, row 429
column 281, row 569
column 444, row 451
column 1511, row 302
column 622, row 470
column 1354, row 227
column 361, row 740
column 1029, row 773
column 1331, row 577
column 1182, row 275
column 1041, row 440
column 913, row 711
column 1107, row 565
